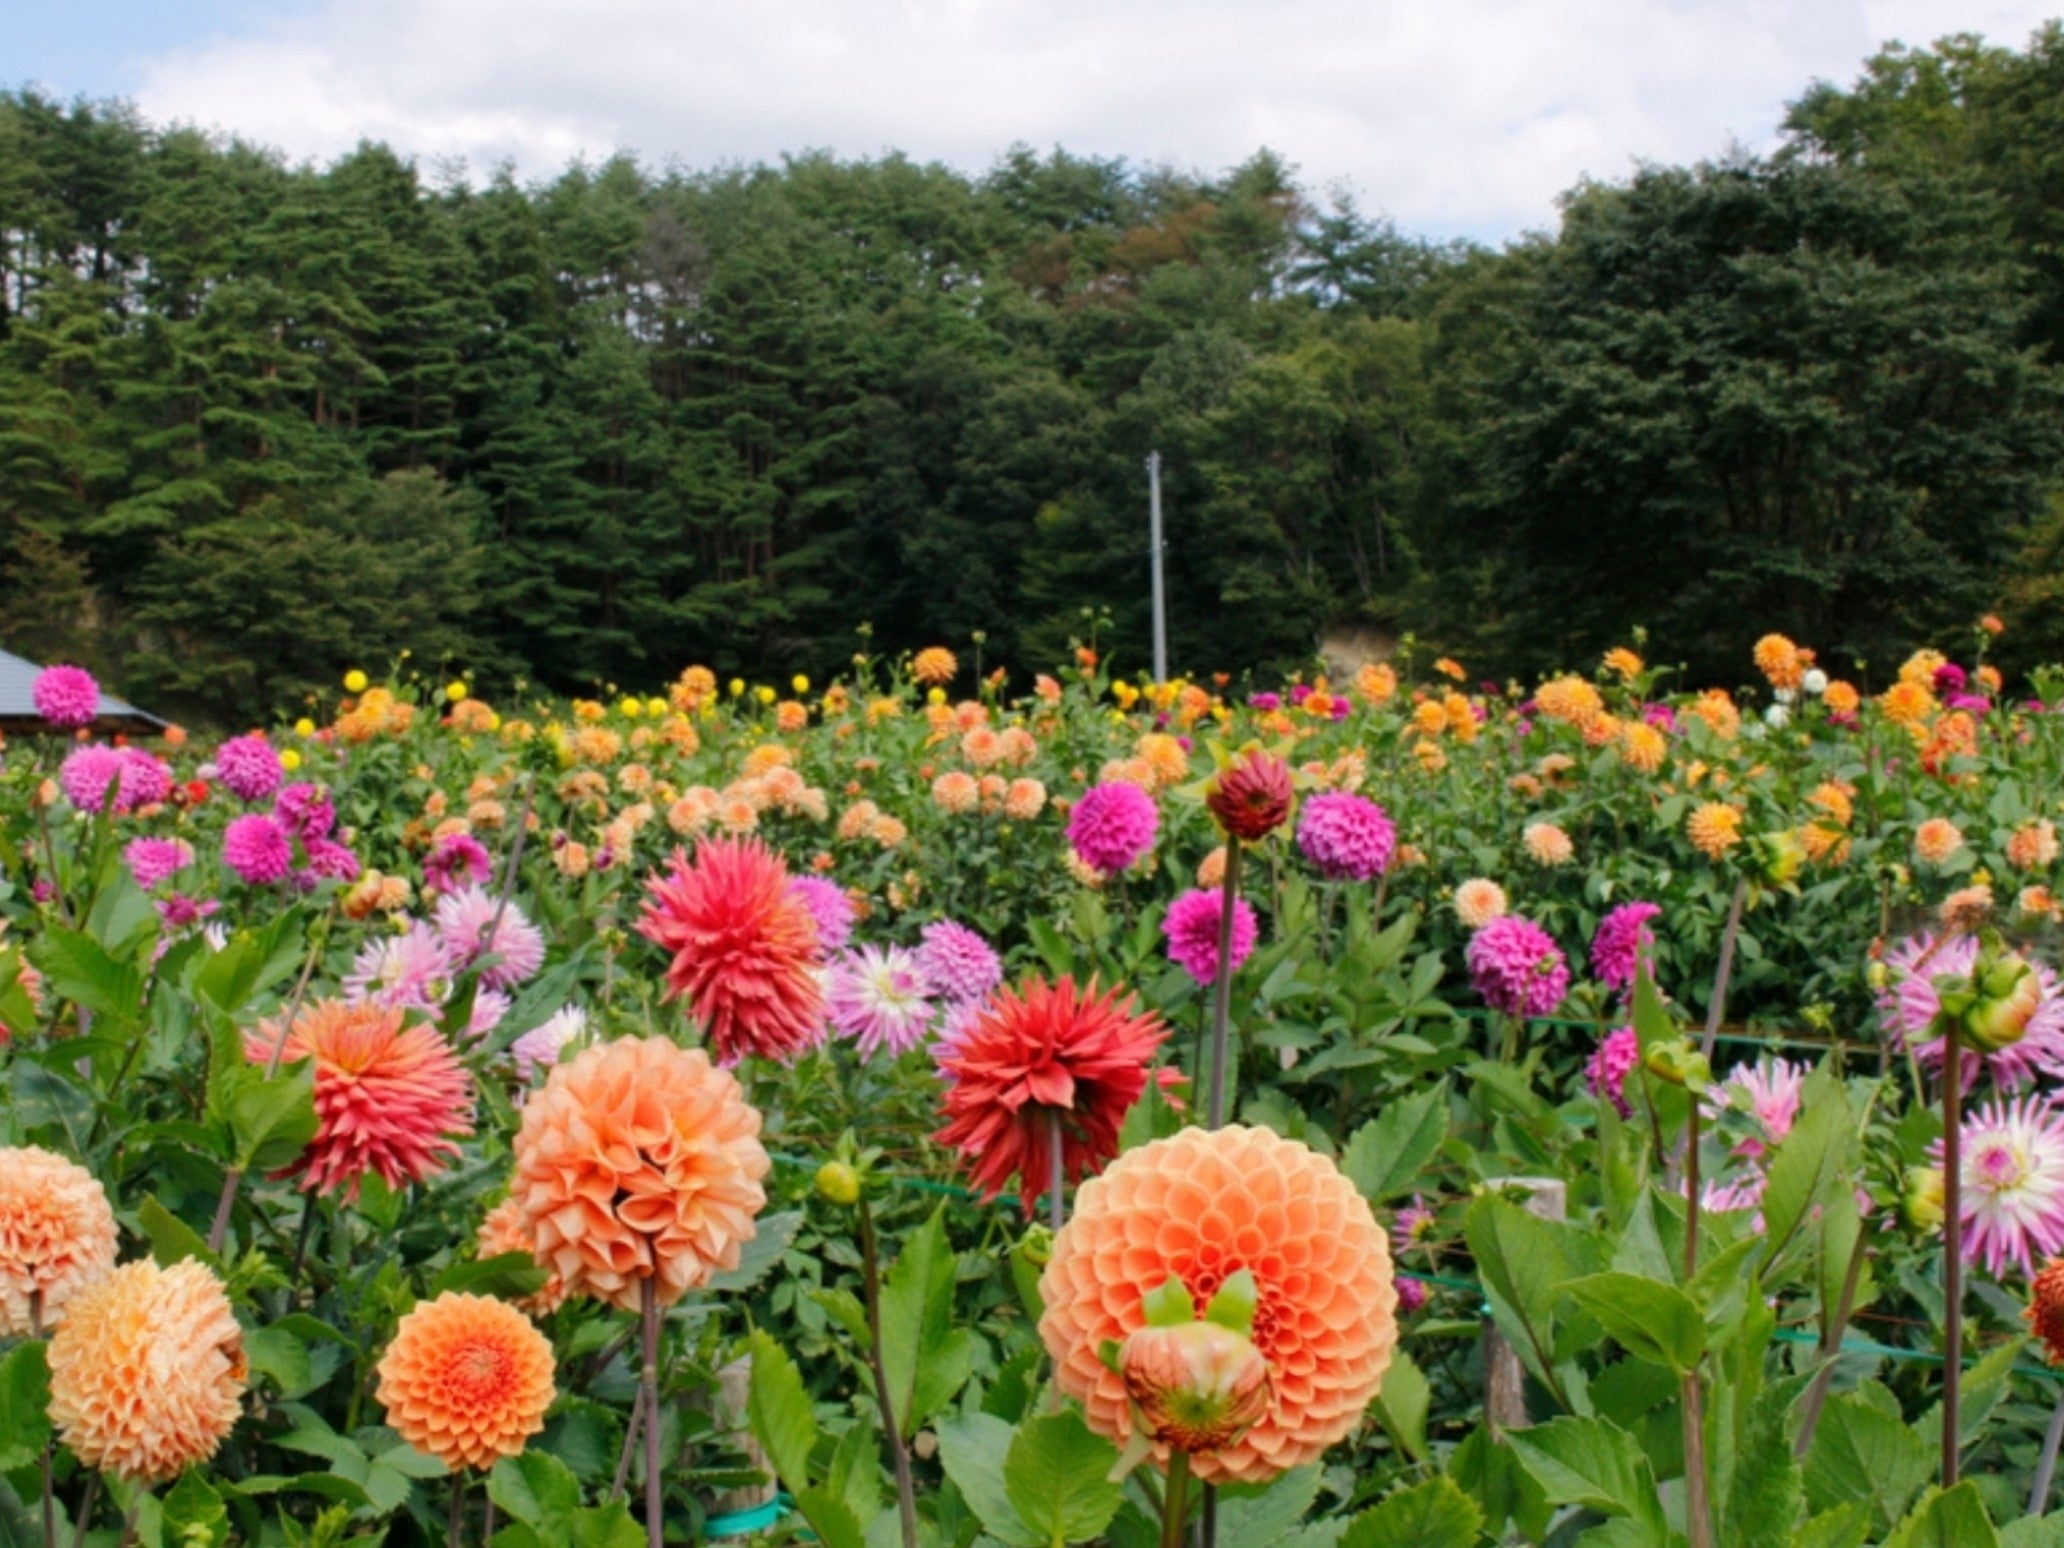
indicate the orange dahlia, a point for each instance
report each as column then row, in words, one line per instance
column 1782, row 662
column 1032, row 1053
column 639, row 1160
column 1200, row 1206
column 467, row 1379
column 147, row 1372
column 389, row 1098
column 2045, row 1311
column 2033, row 845
column 934, row 666
column 1714, row 828
column 57, row 1236
column 1937, row 840
column 745, row 948
column 1642, row 746
column 506, row 1229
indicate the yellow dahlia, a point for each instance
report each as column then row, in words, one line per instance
column 147, row 1371
column 467, row 1379
column 639, row 1160
column 57, row 1236
column 1714, row 828
column 1623, row 662
column 1199, row 1207
column 1907, row 704
column 1569, row 699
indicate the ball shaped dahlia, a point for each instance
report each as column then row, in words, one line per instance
column 66, row 696
column 1032, row 1053
column 89, row 775
column 957, row 962
column 467, row 1379
column 57, row 1236
column 639, row 1160
column 1191, row 926
column 249, row 766
column 506, row 1229
column 1517, row 967
column 829, row 907
column 745, row 948
column 389, row 1098
column 1200, row 1206
column 152, row 860
column 141, row 780
column 1347, row 836
column 147, row 1371
column 1611, row 1062
column 1616, row 947
column 1112, row 826
column 257, row 848
column 1478, row 901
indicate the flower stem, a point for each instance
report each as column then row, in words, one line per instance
column 1952, row 1250
column 632, row 1429
column 1698, row 1512
column 1716, row 1010
column 1222, row 989
column 1174, row 1501
column 455, row 1523
column 899, row 1457
column 49, row 1484
column 648, row 1311
column 1056, row 1173
column 2046, row 1468
column 85, row 1518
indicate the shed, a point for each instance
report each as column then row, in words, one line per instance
column 18, row 715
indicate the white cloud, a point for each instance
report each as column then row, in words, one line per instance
column 1467, row 116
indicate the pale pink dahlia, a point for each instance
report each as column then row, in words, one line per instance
column 257, row 849
column 249, row 767
column 1113, row 826
column 1907, row 1007
column 537, row 1050
column 1347, row 836
column 829, row 906
column 66, row 696
column 2013, row 1183
column 464, row 919
column 1770, row 1090
column 879, row 997
column 411, row 970
column 1191, row 926
column 1616, row 948
column 957, row 962
column 1517, row 967
column 1615, row 1057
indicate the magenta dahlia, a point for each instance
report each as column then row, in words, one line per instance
column 1517, row 967
column 1622, row 936
column 249, row 767
column 1113, row 826
column 829, row 906
column 257, row 848
column 66, row 696
column 1191, row 925
column 957, row 962
column 1347, row 836
column 1611, row 1062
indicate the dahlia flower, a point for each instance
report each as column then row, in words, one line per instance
column 1617, row 946
column 389, row 1098
column 2045, row 1311
column 504, row 1229
column 880, row 998
column 1517, row 967
column 1191, row 925
column 934, row 666
column 1771, row 1089
column 152, row 860
column 1478, row 901
column 1936, row 840
column 306, row 811
column 89, row 774
column 1113, row 826
column 829, row 907
column 257, row 848
column 455, row 860
column 141, row 780
column 57, row 1236
column 464, row 919
column 2012, row 1178
column 1197, row 1387
column 1547, row 844
column 410, row 970
column 66, row 696
column 329, row 861
column 957, row 962
column 745, row 948
column 467, row 1379
column 147, row 1372
column 1035, row 1053
column 1611, row 1062
column 249, row 766
column 1347, row 836
column 539, row 1049
column 639, row 1160
column 1908, row 1006
column 1199, row 1207
column 1252, row 798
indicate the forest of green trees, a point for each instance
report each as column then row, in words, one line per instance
column 261, row 421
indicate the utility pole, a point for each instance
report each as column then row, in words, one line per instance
column 1160, row 591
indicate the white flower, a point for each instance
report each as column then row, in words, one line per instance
column 1815, row 681
column 1776, row 717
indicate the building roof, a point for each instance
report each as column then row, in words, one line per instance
column 18, row 677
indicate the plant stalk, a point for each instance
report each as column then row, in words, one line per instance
column 49, row 1481
column 1056, row 1174
column 1716, row 1011
column 1222, row 990
column 899, row 1455
column 1830, row 1345
column 655, row 1485
column 1175, row 1499
column 1698, row 1510
column 1952, row 1250
column 455, row 1523
column 2046, row 1468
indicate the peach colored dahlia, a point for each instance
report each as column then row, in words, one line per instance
column 57, row 1235
column 467, row 1379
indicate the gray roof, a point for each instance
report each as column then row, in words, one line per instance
column 18, row 677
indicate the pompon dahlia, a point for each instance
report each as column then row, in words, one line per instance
column 2044, row 1313
column 1908, row 1005
column 1611, row 1062
column 257, row 848
column 147, row 1372
column 1517, row 967
column 1617, row 945
column 880, row 998
column 934, row 666
column 745, row 948
column 2013, row 1183
column 829, row 907
column 1252, row 798
column 249, row 766
column 1191, row 925
column 1478, row 901
column 467, row 1379
column 506, row 1229
column 1347, row 836
column 639, row 1160
column 152, row 860
column 90, row 775
column 464, row 920
column 957, row 962
column 1200, row 1206
column 66, row 696
column 1113, row 826
column 1035, row 1051
column 57, row 1236
column 389, row 1098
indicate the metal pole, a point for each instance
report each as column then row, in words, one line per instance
column 1160, row 591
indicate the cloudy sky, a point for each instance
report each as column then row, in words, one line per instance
column 1457, row 117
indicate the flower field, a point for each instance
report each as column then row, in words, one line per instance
column 1400, row 1111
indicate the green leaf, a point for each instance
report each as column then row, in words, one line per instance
column 830, row 1518
column 1845, row 1526
column 510, row 1275
column 1058, row 1478
column 1766, row 1495
column 272, row 1120
column 972, row 1449
column 276, row 1353
column 2031, row 1532
column 195, row 1516
column 1590, row 1463
column 1808, row 1164
column 1953, row 1518
column 1434, row 1514
column 780, row 1413
column 78, row 968
column 1522, row 1264
column 1862, row 1453
column 172, row 1240
column 606, row 1526
column 1402, row 1403
column 1653, row 1322
column 24, row 1404
column 535, row 1489
column 917, row 1324
column 1387, row 1155
column 1263, row 1520
column 771, row 1238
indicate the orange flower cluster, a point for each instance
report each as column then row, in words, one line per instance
column 1782, row 662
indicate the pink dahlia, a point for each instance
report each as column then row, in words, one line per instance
column 453, row 861
column 249, row 766
column 152, row 860
column 1908, row 1005
column 88, row 775
column 490, row 1006
column 257, row 848
column 66, row 696
column 956, row 962
column 142, row 780
column 537, row 1050
column 1770, row 1090
column 464, row 919
column 306, row 809
column 330, row 861
column 411, row 970
column 1113, row 826
column 879, row 997
column 2013, row 1184
column 1411, row 1295
column 1347, row 836
column 829, row 906
column 1191, row 926
column 1517, row 967
column 1622, row 936
column 1616, row 1055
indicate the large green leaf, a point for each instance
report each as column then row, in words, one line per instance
column 1953, row 1518
column 1264, row 1519
column 1402, row 1405
column 917, row 1324
column 1864, row 1453
column 24, row 1404
column 1808, row 1163
column 1522, row 1264
column 1591, row 1463
column 779, row 1410
column 1386, row 1155
column 1434, row 1514
column 973, row 1448
column 1653, row 1322
column 1058, row 1477
column 536, row 1489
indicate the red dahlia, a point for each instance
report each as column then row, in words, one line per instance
column 1252, row 798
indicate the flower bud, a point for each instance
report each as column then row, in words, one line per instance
column 1195, row 1387
column 1252, row 798
column 1678, row 1064
column 2009, row 994
column 838, row 1183
column 1923, row 1198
